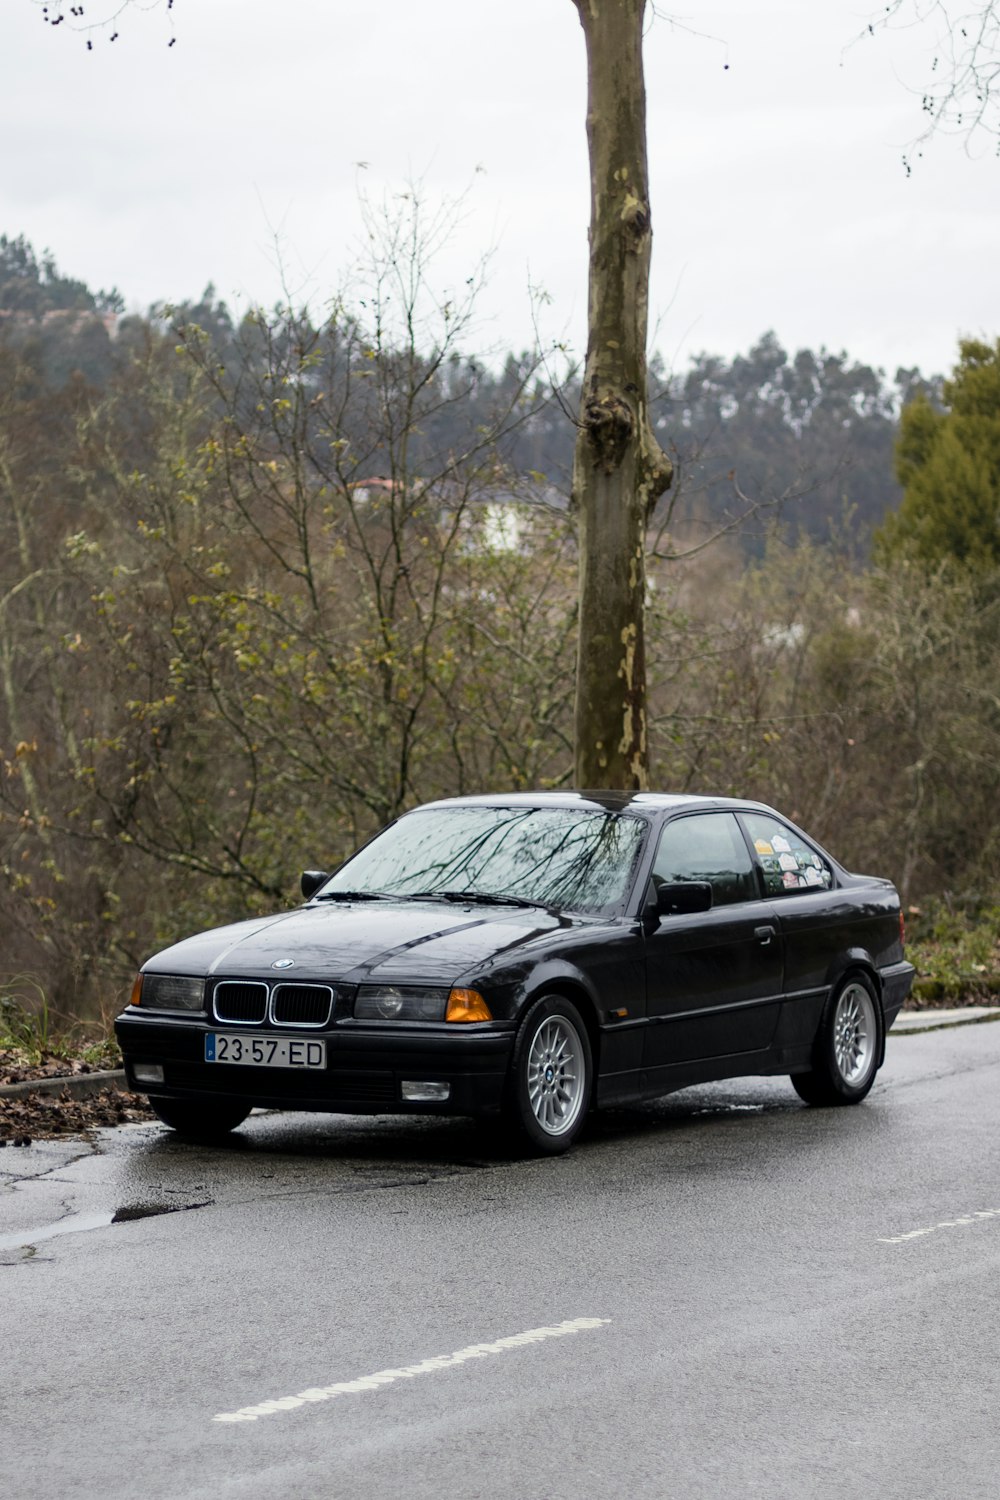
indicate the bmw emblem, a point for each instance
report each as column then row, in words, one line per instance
column 283, row 963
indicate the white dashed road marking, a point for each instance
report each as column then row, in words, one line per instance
column 959, row 1223
column 407, row 1372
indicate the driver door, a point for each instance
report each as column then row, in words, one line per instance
column 714, row 979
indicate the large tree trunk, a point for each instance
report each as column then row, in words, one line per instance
column 619, row 470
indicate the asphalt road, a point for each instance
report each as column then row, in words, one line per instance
column 725, row 1295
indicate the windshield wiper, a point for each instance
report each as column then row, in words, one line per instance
column 468, row 898
column 354, row 896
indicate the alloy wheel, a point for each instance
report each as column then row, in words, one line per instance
column 855, row 1032
column 556, row 1075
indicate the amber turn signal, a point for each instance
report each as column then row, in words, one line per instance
column 467, row 1005
column 136, row 995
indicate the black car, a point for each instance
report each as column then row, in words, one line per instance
column 529, row 957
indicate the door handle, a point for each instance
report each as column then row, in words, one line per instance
column 763, row 935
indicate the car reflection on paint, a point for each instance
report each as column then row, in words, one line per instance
column 529, row 958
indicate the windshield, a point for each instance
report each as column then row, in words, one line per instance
column 565, row 858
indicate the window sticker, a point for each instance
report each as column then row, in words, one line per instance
column 786, row 859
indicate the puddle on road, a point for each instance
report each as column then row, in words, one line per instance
column 730, row 1109
column 72, row 1224
column 78, row 1223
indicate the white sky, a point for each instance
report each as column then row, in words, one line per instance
column 779, row 199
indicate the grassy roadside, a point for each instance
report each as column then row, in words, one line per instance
column 30, row 1051
column 33, row 1047
column 37, row 1043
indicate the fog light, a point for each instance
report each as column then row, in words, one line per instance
column 147, row 1072
column 418, row 1090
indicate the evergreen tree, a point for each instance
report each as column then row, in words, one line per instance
column 35, row 287
column 948, row 462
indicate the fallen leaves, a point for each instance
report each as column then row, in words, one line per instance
column 49, row 1116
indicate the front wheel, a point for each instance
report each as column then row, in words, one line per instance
column 848, row 1046
column 551, row 1077
column 201, row 1119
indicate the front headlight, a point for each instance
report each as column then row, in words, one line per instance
column 417, row 1002
column 400, row 1002
column 168, row 992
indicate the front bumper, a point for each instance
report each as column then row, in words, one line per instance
column 366, row 1066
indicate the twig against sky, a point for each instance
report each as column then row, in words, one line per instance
column 962, row 93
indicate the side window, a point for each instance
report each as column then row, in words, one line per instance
column 789, row 863
column 707, row 846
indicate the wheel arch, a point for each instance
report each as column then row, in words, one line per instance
column 854, row 960
column 569, row 988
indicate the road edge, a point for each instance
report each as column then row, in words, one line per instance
column 77, row 1085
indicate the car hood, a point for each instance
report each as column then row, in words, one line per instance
column 381, row 941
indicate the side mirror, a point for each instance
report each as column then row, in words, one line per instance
column 311, row 882
column 683, row 898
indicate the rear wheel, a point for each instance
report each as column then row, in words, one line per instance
column 848, row 1046
column 551, row 1077
column 206, row 1119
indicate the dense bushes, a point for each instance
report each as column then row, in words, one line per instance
column 261, row 588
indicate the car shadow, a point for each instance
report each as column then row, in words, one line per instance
column 414, row 1144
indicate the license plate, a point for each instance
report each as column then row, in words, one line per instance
column 264, row 1051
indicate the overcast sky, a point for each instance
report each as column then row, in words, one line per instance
column 778, row 194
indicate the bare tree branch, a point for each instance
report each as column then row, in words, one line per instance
column 962, row 94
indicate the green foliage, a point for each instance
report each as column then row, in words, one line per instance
column 948, row 461
column 26, row 1022
column 30, row 1032
column 956, row 953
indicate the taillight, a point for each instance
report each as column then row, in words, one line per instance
column 902, row 929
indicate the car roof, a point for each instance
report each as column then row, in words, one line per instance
column 607, row 801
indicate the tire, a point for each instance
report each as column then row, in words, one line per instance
column 848, row 1046
column 207, row 1119
column 551, row 1077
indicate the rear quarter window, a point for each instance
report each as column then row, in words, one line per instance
column 790, row 864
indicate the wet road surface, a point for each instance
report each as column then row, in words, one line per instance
column 725, row 1294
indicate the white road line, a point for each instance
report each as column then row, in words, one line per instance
column 959, row 1223
column 407, row 1372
